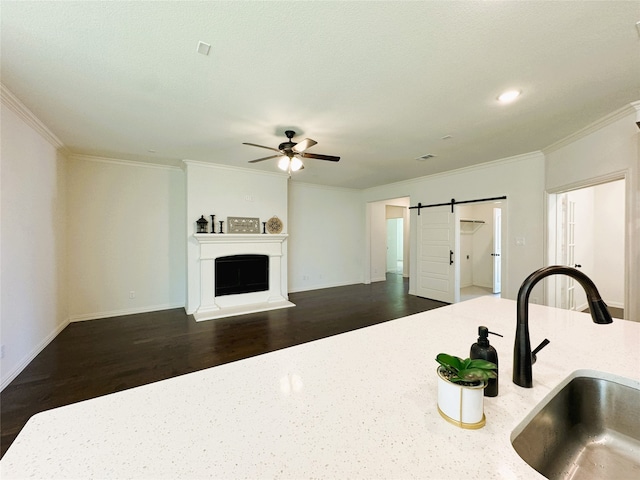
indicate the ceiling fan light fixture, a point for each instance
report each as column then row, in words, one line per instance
column 290, row 154
column 283, row 163
column 296, row 164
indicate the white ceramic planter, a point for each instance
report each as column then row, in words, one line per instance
column 460, row 405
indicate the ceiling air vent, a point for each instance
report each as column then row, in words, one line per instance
column 203, row 48
column 425, row 157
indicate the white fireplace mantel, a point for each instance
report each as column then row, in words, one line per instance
column 215, row 245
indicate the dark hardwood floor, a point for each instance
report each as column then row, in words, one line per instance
column 94, row 358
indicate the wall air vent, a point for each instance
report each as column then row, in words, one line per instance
column 425, row 157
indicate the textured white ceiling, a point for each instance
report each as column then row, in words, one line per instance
column 377, row 83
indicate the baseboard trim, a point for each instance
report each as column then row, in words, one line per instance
column 320, row 287
column 615, row 305
column 127, row 311
column 379, row 279
column 33, row 354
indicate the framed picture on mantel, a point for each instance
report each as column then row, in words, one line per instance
column 243, row 225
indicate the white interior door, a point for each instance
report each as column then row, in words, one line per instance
column 497, row 250
column 438, row 269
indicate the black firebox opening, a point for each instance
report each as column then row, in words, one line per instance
column 242, row 274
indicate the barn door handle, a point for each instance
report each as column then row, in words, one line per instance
column 495, row 254
column 450, row 257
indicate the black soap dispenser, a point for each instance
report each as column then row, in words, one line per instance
column 482, row 350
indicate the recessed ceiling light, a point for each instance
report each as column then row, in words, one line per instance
column 509, row 96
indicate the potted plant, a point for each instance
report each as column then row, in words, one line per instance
column 461, row 386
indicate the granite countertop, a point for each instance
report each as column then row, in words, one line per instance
column 357, row 405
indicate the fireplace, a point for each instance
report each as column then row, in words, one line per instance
column 241, row 273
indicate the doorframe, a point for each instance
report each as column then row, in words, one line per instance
column 504, row 244
column 551, row 226
column 372, row 216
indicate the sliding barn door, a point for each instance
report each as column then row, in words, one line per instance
column 438, row 269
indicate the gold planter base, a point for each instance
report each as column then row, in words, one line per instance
column 468, row 426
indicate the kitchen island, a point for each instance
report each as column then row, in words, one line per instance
column 356, row 405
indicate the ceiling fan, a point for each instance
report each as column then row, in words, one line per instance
column 290, row 153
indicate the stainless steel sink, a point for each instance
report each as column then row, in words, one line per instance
column 590, row 429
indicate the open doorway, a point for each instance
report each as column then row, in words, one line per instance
column 388, row 225
column 590, row 236
column 480, row 250
column 395, row 243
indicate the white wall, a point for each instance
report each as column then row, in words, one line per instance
column 466, row 260
column 609, row 242
column 607, row 150
column 124, row 235
column 227, row 192
column 32, row 246
column 520, row 178
column 326, row 243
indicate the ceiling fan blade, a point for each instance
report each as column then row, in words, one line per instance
column 318, row 156
column 261, row 146
column 264, row 158
column 303, row 145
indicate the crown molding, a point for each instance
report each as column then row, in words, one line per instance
column 595, row 126
column 218, row 166
column 471, row 168
column 119, row 161
column 319, row 186
column 636, row 105
column 20, row 109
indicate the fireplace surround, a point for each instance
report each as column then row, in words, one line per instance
column 217, row 246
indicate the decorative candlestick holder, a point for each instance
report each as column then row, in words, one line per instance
column 264, row 227
column 213, row 224
column 221, row 222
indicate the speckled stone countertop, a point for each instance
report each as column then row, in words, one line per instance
column 357, row 405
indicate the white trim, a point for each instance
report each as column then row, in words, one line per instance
column 119, row 161
column 625, row 175
column 325, row 187
column 219, row 166
column 127, row 311
column 458, row 171
column 594, row 127
column 326, row 285
column 34, row 353
column 591, row 182
column 12, row 102
column 205, row 238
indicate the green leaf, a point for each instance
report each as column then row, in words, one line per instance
column 472, row 375
column 483, row 364
column 450, row 362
